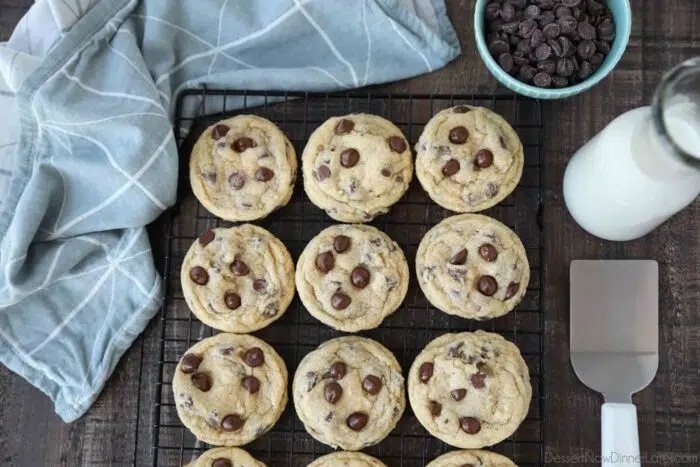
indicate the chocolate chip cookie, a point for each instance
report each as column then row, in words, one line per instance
column 473, row 458
column 349, row 392
column 346, row 459
column 469, row 158
column 351, row 277
column 238, row 279
column 229, row 389
column 470, row 390
column 472, row 266
column 355, row 167
column 243, row 168
column 226, row 457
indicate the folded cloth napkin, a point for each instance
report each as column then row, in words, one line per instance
column 88, row 157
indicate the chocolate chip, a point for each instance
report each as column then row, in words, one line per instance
column 259, row 285
column 201, row 381
column 487, row 285
column 488, row 252
column 491, row 190
column 546, row 18
column 271, row 309
column 458, row 394
column 456, row 351
column 596, row 60
column 325, row 262
column 543, row 51
column 506, row 62
column 239, row 268
column 511, row 28
column 232, row 422
column 551, row 31
column 344, row 126
column 483, row 159
column 221, row 462
column 332, row 392
column 243, row 143
column 357, row 421
column 341, row 243
column 254, row 357
column 450, row 168
column 470, row 425
column 372, row 384
column 492, row 11
column 386, row 172
column 507, row 12
column 323, row 172
column 251, row 384
column 425, row 372
column 542, row 80
column 527, row 73
column 526, row 28
column 337, row 370
column 396, row 143
column 189, row 363
column 206, row 238
column 565, row 67
column 459, row 258
column 435, row 408
column 559, row 82
column 606, row 30
column 349, row 157
column 586, row 31
column 585, row 70
column 536, row 39
column 219, row 131
column 459, row 135
column 340, row 301
column 478, row 380
column 199, row 275
column 568, row 24
column 586, row 49
column 532, row 12
column 602, row 47
column 360, row 277
column 567, row 47
column 461, row 109
column 547, row 66
column 512, row 289
column 210, row 177
column 498, row 47
column 236, row 181
column 263, row 174
column 232, row 300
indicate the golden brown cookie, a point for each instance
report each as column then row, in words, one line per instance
column 356, row 167
column 243, row 168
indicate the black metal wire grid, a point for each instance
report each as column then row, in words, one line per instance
column 406, row 331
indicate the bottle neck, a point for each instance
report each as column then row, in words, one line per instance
column 675, row 114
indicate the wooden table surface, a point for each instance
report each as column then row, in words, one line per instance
column 664, row 33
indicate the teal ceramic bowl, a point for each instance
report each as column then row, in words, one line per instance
column 622, row 14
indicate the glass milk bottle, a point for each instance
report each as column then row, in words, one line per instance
column 644, row 166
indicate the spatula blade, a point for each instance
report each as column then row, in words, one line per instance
column 614, row 325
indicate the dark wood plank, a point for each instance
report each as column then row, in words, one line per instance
column 664, row 33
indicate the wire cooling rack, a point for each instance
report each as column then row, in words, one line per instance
column 406, row 331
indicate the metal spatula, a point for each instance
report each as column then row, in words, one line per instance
column 615, row 344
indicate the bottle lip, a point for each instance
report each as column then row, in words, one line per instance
column 661, row 95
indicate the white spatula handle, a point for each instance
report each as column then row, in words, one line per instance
column 620, row 436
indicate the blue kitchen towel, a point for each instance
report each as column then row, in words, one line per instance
column 88, row 157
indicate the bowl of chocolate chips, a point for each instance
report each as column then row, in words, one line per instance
column 551, row 49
